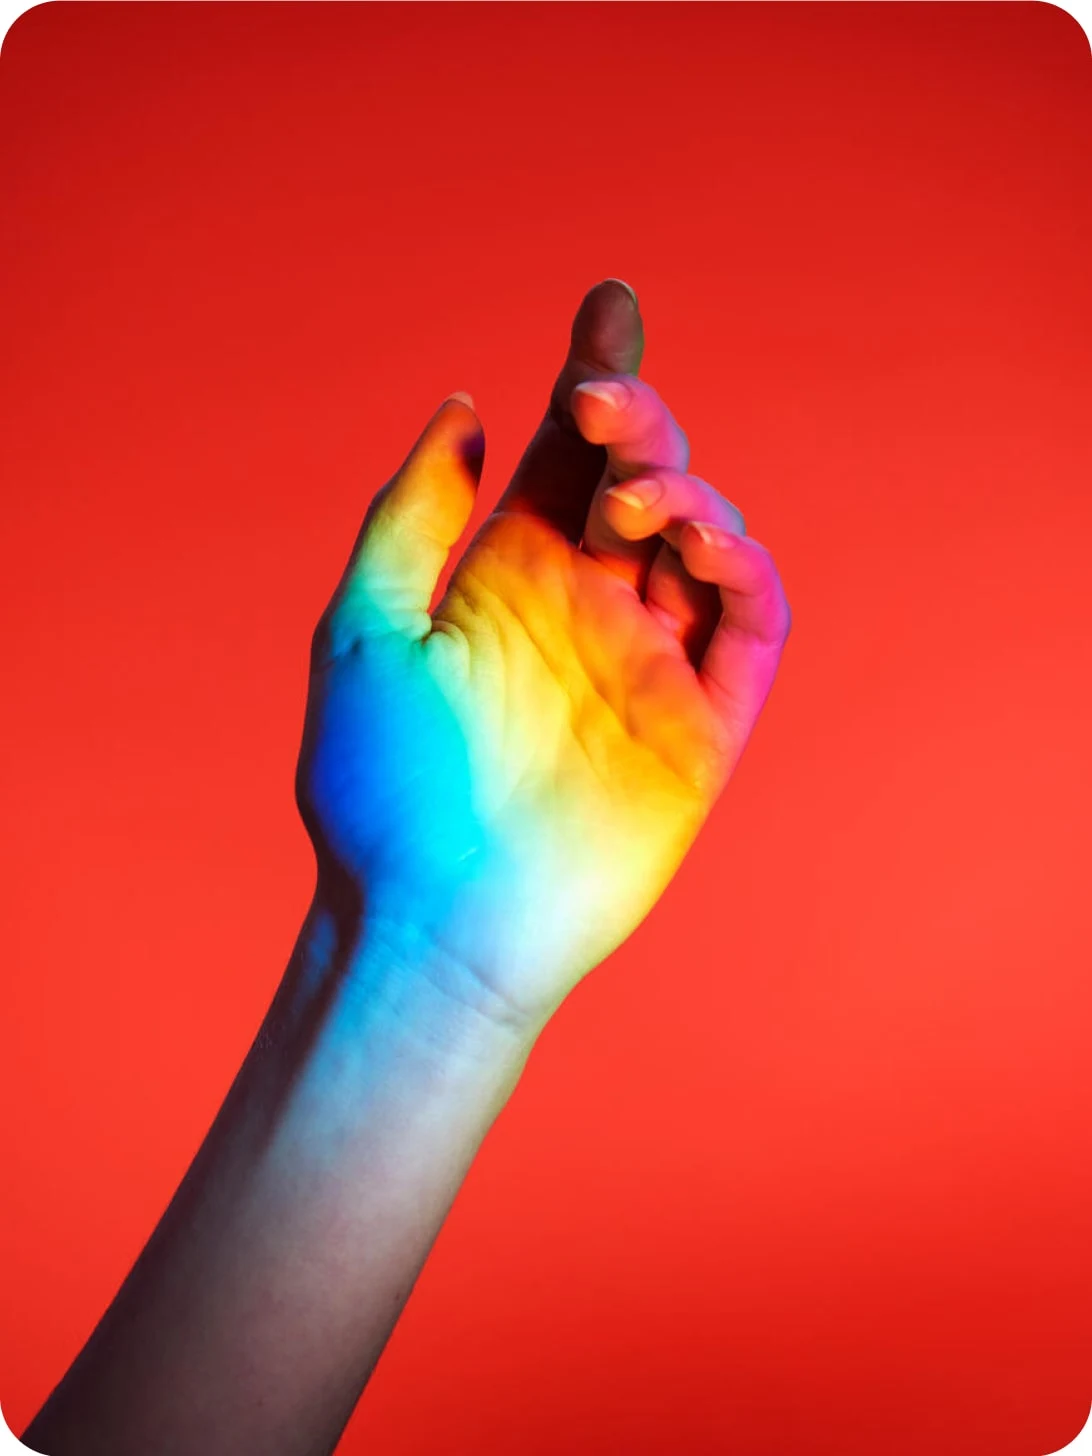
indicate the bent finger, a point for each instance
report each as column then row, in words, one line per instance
column 641, row 437
column 739, row 665
column 628, row 416
column 635, row 527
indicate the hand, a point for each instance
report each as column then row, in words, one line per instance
column 513, row 780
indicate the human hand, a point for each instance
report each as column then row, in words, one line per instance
column 506, row 786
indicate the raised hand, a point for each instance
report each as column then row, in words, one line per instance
column 497, row 790
column 512, row 780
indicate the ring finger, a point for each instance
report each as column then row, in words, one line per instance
column 653, row 508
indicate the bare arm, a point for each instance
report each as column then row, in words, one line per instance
column 260, row 1306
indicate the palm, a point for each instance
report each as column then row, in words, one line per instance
column 590, row 747
column 593, row 701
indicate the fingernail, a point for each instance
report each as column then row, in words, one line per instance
column 626, row 286
column 463, row 398
column 612, row 393
column 640, row 494
column 714, row 536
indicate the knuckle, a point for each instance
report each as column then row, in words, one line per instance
column 736, row 516
column 707, row 503
column 322, row 652
column 328, row 641
column 321, row 636
column 659, row 429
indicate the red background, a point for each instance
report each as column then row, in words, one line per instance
column 805, row 1167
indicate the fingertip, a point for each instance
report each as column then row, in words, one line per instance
column 608, row 331
column 638, row 498
column 614, row 393
column 630, row 290
column 456, row 428
column 714, row 538
column 592, row 412
column 626, row 518
column 636, row 495
column 471, row 450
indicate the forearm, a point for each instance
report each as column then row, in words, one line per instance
column 263, row 1300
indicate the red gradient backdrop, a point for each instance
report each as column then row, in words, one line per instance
column 805, row 1167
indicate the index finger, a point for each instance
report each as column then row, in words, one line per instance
column 560, row 469
column 628, row 416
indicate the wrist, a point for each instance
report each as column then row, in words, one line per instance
column 371, row 980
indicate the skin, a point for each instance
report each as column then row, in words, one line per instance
column 498, row 790
column 557, row 731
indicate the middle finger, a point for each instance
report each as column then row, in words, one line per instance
column 627, row 416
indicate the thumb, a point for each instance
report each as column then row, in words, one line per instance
column 411, row 526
